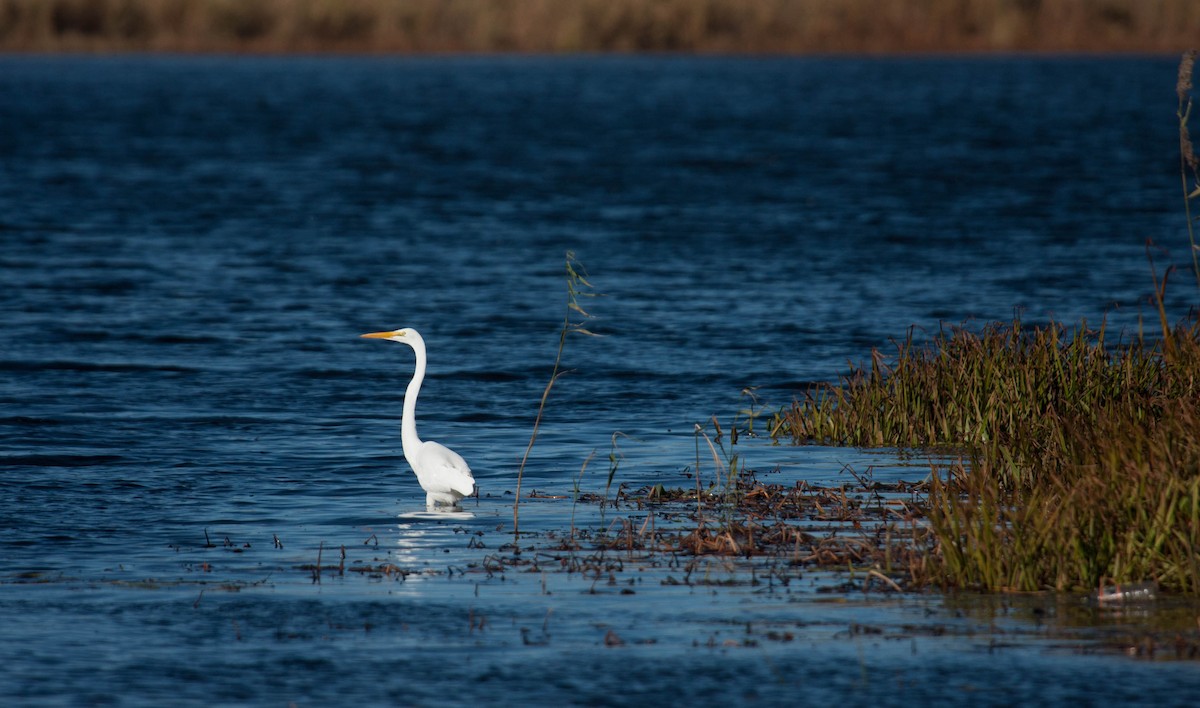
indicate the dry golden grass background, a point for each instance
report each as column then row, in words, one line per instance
column 708, row 26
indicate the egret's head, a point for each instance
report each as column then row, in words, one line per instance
column 407, row 336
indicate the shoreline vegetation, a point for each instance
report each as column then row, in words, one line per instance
column 623, row 26
column 1080, row 459
column 1070, row 462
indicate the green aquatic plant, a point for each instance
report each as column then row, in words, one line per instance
column 748, row 416
column 1128, row 511
column 615, row 458
column 1080, row 459
column 1003, row 392
column 576, row 490
column 728, row 468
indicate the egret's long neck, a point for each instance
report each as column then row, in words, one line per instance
column 408, row 424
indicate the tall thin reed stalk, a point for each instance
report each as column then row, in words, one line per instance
column 577, row 287
column 1188, row 162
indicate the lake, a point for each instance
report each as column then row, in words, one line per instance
column 192, row 245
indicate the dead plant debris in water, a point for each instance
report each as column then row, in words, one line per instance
column 752, row 533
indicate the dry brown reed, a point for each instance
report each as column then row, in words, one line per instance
column 721, row 26
column 770, row 533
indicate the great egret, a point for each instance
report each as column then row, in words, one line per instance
column 442, row 472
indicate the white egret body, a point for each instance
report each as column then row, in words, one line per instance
column 442, row 472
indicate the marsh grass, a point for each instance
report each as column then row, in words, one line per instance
column 1127, row 511
column 1008, row 392
column 1104, row 486
column 1080, row 457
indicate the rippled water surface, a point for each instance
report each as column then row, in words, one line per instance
column 190, row 247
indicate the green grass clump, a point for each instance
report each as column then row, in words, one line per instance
column 1008, row 393
column 1081, row 460
column 1126, row 512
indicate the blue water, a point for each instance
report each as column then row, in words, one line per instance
column 190, row 247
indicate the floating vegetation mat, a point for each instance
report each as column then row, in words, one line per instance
column 752, row 533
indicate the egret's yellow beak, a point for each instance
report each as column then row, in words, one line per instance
column 382, row 335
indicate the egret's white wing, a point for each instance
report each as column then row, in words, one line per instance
column 442, row 470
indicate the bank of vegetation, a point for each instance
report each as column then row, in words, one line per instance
column 1078, row 461
column 1081, row 455
column 712, row 26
